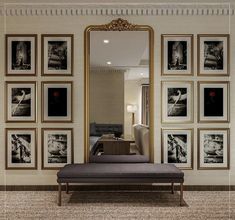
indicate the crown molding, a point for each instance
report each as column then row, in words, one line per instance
column 107, row 70
column 143, row 9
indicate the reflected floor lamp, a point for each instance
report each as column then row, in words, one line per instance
column 131, row 108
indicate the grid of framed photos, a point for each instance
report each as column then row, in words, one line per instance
column 212, row 100
column 22, row 104
column 177, row 60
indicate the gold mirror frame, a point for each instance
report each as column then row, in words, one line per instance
column 117, row 25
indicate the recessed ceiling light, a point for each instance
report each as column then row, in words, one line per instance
column 106, row 41
column 109, row 63
column 141, row 74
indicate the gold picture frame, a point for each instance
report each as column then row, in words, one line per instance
column 217, row 101
column 67, row 115
column 62, row 57
column 59, row 158
column 177, row 102
column 183, row 61
column 216, row 49
column 22, row 143
column 18, row 63
column 184, row 162
column 20, row 101
column 215, row 151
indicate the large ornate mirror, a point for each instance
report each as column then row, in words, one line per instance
column 119, row 92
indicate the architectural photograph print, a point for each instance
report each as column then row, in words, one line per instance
column 177, row 102
column 213, row 148
column 57, row 101
column 57, row 55
column 177, row 54
column 20, row 101
column 213, row 54
column 177, row 147
column 21, row 55
column 21, row 151
column 213, row 101
column 57, row 147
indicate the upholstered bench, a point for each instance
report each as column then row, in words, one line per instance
column 120, row 173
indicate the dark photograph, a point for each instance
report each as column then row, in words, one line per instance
column 21, row 55
column 213, row 102
column 213, row 55
column 57, row 55
column 57, row 102
column 177, row 102
column 177, row 148
column 21, row 102
column 21, row 148
column 213, row 148
column 57, row 148
column 177, row 55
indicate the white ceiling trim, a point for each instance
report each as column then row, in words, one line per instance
column 197, row 9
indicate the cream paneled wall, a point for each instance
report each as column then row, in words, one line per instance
column 75, row 25
column 107, row 97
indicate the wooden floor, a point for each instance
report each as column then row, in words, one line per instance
column 117, row 205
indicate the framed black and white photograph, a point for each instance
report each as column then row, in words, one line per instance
column 21, row 101
column 177, row 102
column 21, row 54
column 213, row 101
column 57, row 147
column 213, row 54
column 177, row 54
column 21, row 148
column 57, row 101
column 57, row 54
column 213, row 148
column 177, row 147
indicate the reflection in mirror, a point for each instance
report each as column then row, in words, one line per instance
column 119, row 96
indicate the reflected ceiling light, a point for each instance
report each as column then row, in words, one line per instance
column 106, row 41
column 109, row 63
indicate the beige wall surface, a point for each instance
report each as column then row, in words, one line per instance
column 50, row 22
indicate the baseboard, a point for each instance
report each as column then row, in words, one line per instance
column 116, row 187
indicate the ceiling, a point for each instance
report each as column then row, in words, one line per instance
column 126, row 50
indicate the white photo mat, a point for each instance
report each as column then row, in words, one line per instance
column 177, row 84
column 45, row 140
column 189, row 150
column 47, row 71
column 201, row 41
column 225, row 87
column 188, row 40
column 45, row 87
column 201, row 135
column 9, row 87
column 33, row 144
column 33, row 43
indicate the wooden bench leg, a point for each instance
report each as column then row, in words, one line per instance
column 67, row 188
column 181, row 194
column 172, row 188
column 59, row 194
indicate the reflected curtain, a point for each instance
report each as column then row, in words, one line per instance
column 145, row 104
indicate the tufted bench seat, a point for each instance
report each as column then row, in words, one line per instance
column 120, row 173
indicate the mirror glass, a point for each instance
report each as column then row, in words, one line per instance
column 119, row 94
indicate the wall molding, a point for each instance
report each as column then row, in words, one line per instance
column 112, row 9
column 117, row 187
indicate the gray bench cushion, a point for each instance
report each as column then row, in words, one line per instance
column 119, row 170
